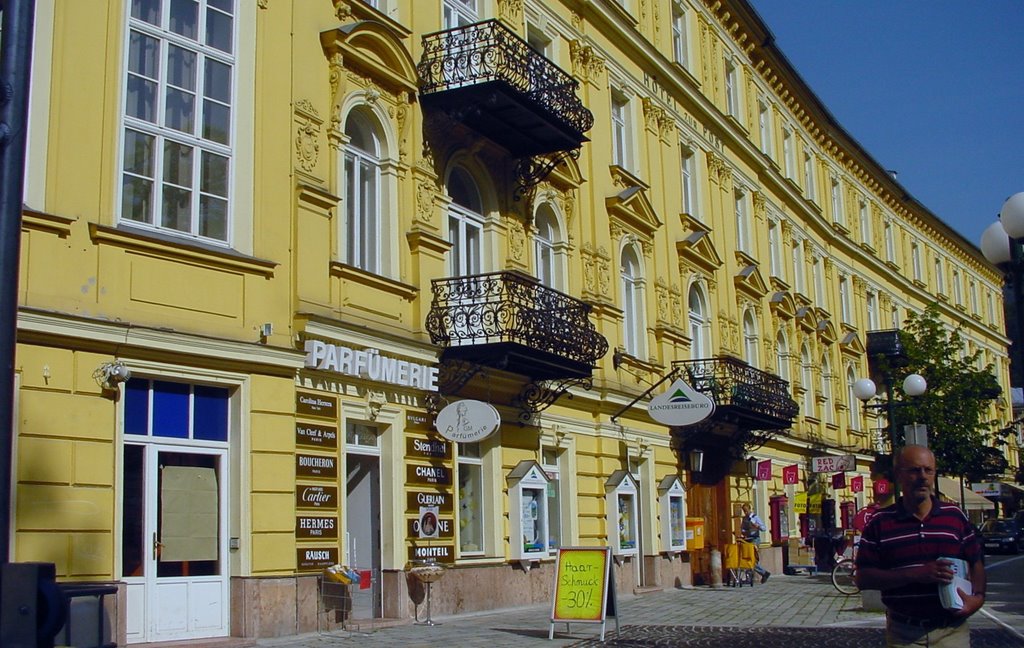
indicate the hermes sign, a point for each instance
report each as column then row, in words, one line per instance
column 316, row 527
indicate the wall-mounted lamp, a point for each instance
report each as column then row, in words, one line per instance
column 752, row 466
column 696, row 457
column 111, row 374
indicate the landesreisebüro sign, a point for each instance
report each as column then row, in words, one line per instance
column 681, row 405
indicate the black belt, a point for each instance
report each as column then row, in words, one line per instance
column 940, row 622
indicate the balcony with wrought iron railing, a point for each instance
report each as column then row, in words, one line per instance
column 511, row 321
column 489, row 78
column 750, row 397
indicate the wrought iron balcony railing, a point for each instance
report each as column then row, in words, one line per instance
column 512, row 321
column 520, row 88
column 757, row 398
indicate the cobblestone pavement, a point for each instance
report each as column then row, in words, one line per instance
column 787, row 611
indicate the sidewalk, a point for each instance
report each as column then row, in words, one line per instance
column 804, row 601
column 787, row 611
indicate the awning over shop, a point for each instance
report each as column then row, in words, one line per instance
column 950, row 490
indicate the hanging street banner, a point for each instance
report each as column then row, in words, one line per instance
column 881, row 487
column 833, row 464
column 681, row 405
column 839, row 481
column 764, row 470
column 791, row 474
column 467, row 421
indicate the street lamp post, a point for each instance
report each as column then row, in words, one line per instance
column 1001, row 243
column 865, row 389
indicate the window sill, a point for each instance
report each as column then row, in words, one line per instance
column 358, row 275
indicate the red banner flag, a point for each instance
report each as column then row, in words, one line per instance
column 791, row 474
column 839, row 481
column 764, row 470
column 857, row 484
column 882, row 487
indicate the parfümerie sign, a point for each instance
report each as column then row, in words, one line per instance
column 369, row 363
column 680, row 405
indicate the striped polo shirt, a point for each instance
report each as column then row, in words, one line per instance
column 895, row 539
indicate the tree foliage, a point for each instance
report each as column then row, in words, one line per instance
column 956, row 405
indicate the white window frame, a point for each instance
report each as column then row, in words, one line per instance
column 826, row 390
column 550, row 248
column 807, row 380
column 732, row 88
column 890, row 243
column 865, row 223
column 788, row 153
column 871, row 299
column 845, row 305
column 475, row 463
column 838, row 208
column 782, row 355
column 465, row 257
column 687, row 163
column 364, row 249
column 958, row 291
column 751, row 343
column 915, row 260
column 743, row 242
column 764, row 120
column 634, row 326
column 809, row 175
column 775, row 265
column 458, row 13
column 853, row 411
column 799, row 278
column 622, row 136
column 680, row 42
column 164, row 135
column 699, row 323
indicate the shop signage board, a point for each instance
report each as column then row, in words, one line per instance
column 800, row 504
column 427, row 522
column 445, row 528
column 315, row 558
column 322, row 497
column 442, row 553
column 418, row 421
column 680, row 405
column 316, row 436
column 584, row 589
column 321, row 466
column 467, row 421
column 444, row 502
column 987, row 489
column 428, row 475
column 308, row 404
column 316, row 527
column 428, row 449
column 833, row 464
column 369, row 363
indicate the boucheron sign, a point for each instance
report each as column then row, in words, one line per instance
column 369, row 363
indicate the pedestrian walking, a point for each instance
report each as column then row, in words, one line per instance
column 750, row 531
column 906, row 551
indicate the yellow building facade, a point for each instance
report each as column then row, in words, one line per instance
column 266, row 244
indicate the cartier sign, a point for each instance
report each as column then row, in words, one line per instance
column 316, row 466
column 325, row 497
column 316, row 527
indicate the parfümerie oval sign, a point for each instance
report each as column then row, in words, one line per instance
column 467, row 421
column 680, row 405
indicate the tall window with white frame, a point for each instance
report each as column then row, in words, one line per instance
column 775, row 267
column 363, row 231
column 743, row 243
column 819, row 282
column 459, row 13
column 853, row 411
column 178, row 119
column 679, row 40
column 751, row 349
column 940, row 276
column 845, row 304
column 782, row 355
column 632, row 282
column 465, row 224
column 764, row 121
column 621, row 136
column 894, row 316
column 807, row 381
column 788, row 153
column 958, row 295
column 700, row 340
column 688, row 181
column 471, row 499
column 550, row 461
column 871, row 299
column 826, row 390
column 973, row 288
column 890, row 243
column 837, row 202
column 865, row 223
column 798, row 267
column 809, row 187
column 546, row 253
column 732, row 88
column 915, row 261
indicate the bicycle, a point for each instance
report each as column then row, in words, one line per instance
column 844, row 572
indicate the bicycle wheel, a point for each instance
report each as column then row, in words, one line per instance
column 842, row 577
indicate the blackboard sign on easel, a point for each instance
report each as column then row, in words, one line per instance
column 584, row 589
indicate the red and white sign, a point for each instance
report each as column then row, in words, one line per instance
column 882, row 487
column 841, row 463
column 857, row 484
column 791, row 474
column 839, row 481
column 764, row 470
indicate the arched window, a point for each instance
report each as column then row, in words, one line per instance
column 806, row 381
column 851, row 401
column 458, row 13
column 549, row 252
column 364, row 231
column 465, row 224
column 826, row 390
column 782, row 355
column 750, row 346
column 700, row 340
column 634, row 328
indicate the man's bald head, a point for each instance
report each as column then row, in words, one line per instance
column 915, row 473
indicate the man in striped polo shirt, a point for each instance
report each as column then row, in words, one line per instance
column 902, row 551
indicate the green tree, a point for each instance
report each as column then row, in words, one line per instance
column 955, row 406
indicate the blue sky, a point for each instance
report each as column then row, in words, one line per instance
column 933, row 90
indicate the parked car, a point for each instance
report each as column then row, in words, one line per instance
column 1002, row 534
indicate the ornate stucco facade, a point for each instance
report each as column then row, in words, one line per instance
column 209, row 194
